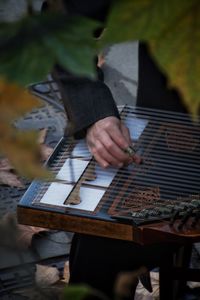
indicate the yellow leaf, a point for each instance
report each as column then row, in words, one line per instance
column 177, row 53
column 15, row 101
column 22, row 150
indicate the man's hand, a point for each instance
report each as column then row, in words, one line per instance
column 107, row 139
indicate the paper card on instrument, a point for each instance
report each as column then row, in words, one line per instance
column 72, row 169
column 81, row 150
column 103, row 177
column 56, row 194
column 136, row 126
column 90, row 198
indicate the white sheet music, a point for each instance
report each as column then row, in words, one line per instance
column 72, row 169
column 103, row 177
column 89, row 199
column 57, row 193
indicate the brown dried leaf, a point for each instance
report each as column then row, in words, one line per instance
column 66, row 272
column 42, row 135
column 22, row 150
column 16, row 235
column 46, row 151
column 5, row 165
column 46, row 276
column 15, row 101
column 11, row 179
column 25, row 235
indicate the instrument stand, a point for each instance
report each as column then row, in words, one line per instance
column 175, row 272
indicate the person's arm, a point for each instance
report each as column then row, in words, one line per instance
column 93, row 113
column 86, row 101
column 90, row 105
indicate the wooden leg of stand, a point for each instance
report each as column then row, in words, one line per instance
column 182, row 261
column 166, row 279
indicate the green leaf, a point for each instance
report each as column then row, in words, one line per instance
column 30, row 47
column 177, row 52
column 76, row 292
column 141, row 19
column 172, row 29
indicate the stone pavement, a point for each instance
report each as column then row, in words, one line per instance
column 17, row 268
column 120, row 69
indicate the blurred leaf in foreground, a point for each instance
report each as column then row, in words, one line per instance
column 20, row 147
column 82, row 292
column 22, row 150
column 15, row 101
column 172, row 29
column 76, row 292
column 177, row 51
column 11, row 179
column 29, row 48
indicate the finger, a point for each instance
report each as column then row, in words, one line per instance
column 137, row 159
column 104, row 164
column 101, row 150
column 115, row 152
column 117, row 136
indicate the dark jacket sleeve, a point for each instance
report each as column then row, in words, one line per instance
column 86, row 101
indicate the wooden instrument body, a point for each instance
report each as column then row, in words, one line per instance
column 170, row 147
column 143, row 234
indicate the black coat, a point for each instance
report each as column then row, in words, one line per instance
column 89, row 101
column 94, row 260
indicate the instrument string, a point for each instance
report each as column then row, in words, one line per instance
column 160, row 163
column 182, row 182
column 161, row 167
column 165, row 155
column 161, row 149
column 157, row 152
column 130, row 111
column 140, row 178
column 176, row 181
column 165, row 192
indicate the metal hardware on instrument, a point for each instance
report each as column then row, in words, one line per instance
column 130, row 150
column 158, row 200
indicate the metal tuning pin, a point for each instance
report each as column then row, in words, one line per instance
column 195, row 203
column 130, row 150
column 196, row 219
column 165, row 210
column 185, row 218
column 174, row 217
